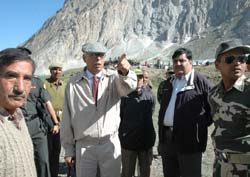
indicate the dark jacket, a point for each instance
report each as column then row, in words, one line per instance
column 136, row 131
column 35, row 108
column 191, row 115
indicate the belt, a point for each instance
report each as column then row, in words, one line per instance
column 30, row 118
column 168, row 128
column 233, row 158
column 97, row 140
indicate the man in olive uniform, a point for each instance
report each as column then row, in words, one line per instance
column 36, row 124
column 230, row 107
column 55, row 87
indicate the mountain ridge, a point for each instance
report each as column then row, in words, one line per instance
column 144, row 29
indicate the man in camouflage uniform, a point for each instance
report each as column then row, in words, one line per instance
column 55, row 87
column 230, row 107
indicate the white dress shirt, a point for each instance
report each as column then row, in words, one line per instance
column 178, row 85
column 90, row 77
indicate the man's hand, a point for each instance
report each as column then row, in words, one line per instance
column 123, row 65
column 69, row 160
column 55, row 129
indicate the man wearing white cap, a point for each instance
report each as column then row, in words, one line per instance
column 89, row 130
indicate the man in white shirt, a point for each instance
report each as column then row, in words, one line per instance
column 183, row 118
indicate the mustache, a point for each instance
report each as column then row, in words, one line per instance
column 17, row 93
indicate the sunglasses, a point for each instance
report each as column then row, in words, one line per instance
column 248, row 59
column 245, row 58
column 96, row 55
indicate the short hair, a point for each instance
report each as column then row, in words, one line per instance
column 181, row 51
column 10, row 55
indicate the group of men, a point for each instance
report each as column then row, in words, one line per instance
column 106, row 116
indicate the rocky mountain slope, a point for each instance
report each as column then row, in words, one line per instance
column 144, row 29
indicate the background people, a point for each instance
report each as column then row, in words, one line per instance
column 38, row 112
column 160, row 89
column 56, row 87
column 136, row 131
column 230, row 107
column 146, row 79
column 183, row 118
column 37, row 125
column 91, row 113
column 16, row 149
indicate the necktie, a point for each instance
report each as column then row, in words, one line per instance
column 95, row 88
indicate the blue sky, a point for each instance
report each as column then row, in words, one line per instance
column 20, row 19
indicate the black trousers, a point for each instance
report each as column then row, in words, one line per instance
column 176, row 164
column 39, row 140
column 129, row 158
column 54, row 145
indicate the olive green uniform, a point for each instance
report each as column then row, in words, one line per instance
column 56, row 92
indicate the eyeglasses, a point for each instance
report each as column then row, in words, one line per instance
column 248, row 59
column 245, row 58
column 96, row 55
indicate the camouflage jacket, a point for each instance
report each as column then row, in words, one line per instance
column 231, row 115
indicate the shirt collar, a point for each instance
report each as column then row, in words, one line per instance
column 89, row 75
column 185, row 77
column 16, row 117
column 59, row 83
column 238, row 85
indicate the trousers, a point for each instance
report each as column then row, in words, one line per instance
column 98, row 154
column 54, row 145
column 39, row 140
column 129, row 158
column 176, row 164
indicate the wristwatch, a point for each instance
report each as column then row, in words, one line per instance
column 57, row 124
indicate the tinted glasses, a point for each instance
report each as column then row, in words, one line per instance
column 245, row 58
column 96, row 55
column 248, row 59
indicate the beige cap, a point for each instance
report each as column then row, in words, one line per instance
column 55, row 65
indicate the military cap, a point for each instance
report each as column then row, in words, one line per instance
column 138, row 72
column 55, row 65
column 230, row 45
column 94, row 47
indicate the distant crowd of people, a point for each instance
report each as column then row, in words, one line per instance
column 103, row 117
